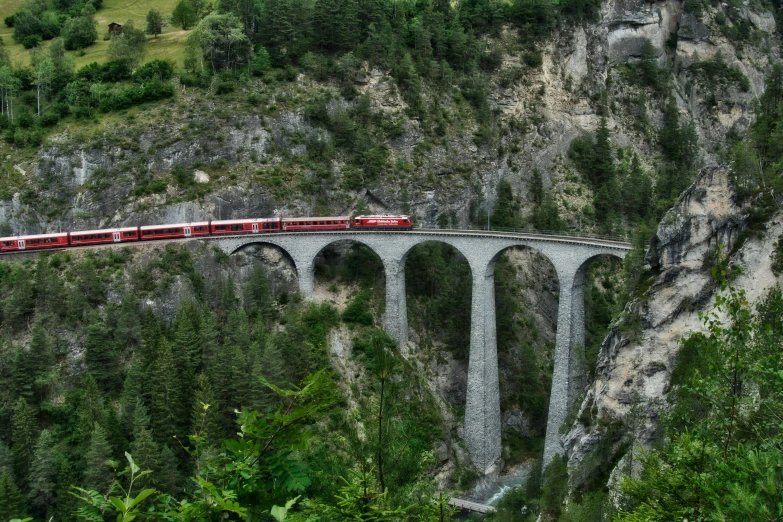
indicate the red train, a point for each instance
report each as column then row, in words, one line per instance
column 205, row 228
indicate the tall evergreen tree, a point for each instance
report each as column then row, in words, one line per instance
column 49, row 286
column 6, row 457
column 169, row 478
column 209, row 339
column 134, row 389
column 24, row 433
column 65, row 504
column 43, row 473
column 670, row 134
column 100, row 356
column 11, row 499
column 98, row 474
column 90, row 409
column 128, row 325
column 141, row 420
column 536, row 187
column 205, row 420
column 603, row 168
column 115, row 433
column 151, row 334
column 146, row 454
column 258, row 299
column 19, row 306
column 506, row 213
column 165, row 400
column 187, row 346
column 24, row 374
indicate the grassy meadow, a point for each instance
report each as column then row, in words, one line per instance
column 170, row 44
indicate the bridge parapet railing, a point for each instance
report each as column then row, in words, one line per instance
column 572, row 233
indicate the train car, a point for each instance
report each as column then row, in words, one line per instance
column 316, row 224
column 382, row 223
column 16, row 244
column 178, row 231
column 244, row 226
column 108, row 235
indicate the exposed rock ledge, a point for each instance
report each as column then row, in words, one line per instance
column 639, row 364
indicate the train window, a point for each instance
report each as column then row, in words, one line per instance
column 237, row 227
column 129, row 234
column 8, row 243
column 309, row 222
column 199, row 229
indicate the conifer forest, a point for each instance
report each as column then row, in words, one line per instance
column 171, row 381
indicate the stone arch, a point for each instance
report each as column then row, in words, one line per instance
column 267, row 255
column 401, row 264
column 568, row 377
column 435, row 239
column 353, row 241
column 295, row 249
column 537, row 304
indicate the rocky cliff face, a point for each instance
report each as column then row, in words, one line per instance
column 639, row 354
column 243, row 154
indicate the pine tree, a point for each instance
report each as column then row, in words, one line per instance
column 65, row 504
column 128, row 325
column 49, row 289
column 141, row 420
column 603, row 169
column 258, row 299
column 114, row 432
column 228, row 375
column 134, row 389
column 169, row 478
column 21, row 304
column 43, row 473
column 536, row 188
column 24, row 374
column 150, row 339
column 24, row 433
column 187, row 346
column 98, row 474
column 506, row 208
column 325, row 16
column 90, row 409
column 205, row 421
column 670, row 134
column 11, row 500
column 6, row 458
column 100, row 356
column 209, row 339
column 270, row 366
column 146, row 454
column 229, row 296
column 165, row 401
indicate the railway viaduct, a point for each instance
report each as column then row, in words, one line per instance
column 570, row 257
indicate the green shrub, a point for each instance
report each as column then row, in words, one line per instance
column 34, row 40
column 49, row 118
column 554, row 487
column 534, row 59
column 358, row 310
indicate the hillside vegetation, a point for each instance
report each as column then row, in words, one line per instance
column 241, row 399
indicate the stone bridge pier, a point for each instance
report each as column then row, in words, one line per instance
column 570, row 258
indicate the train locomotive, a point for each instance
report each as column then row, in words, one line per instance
column 205, row 229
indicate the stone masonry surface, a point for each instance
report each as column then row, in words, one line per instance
column 570, row 257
